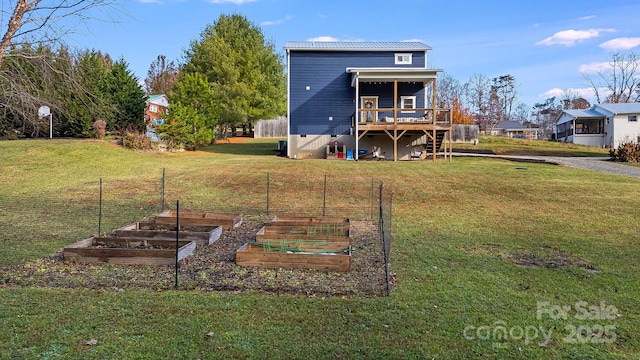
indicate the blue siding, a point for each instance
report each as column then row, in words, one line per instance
column 331, row 94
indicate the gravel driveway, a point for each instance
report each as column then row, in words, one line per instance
column 589, row 163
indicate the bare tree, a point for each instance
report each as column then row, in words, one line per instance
column 620, row 80
column 573, row 101
column 505, row 88
column 40, row 21
column 477, row 95
column 161, row 76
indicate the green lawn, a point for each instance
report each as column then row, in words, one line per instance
column 480, row 245
column 511, row 146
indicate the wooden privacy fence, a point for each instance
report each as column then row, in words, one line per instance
column 275, row 128
column 464, row 133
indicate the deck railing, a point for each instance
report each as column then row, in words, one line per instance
column 380, row 116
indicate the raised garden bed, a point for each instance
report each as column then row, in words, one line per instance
column 252, row 255
column 297, row 242
column 202, row 235
column 308, row 221
column 302, row 238
column 127, row 251
column 188, row 217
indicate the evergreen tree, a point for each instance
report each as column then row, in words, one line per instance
column 242, row 68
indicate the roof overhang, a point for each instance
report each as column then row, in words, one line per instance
column 390, row 74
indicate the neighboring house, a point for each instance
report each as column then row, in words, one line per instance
column 601, row 125
column 514, row 129
column 365, row 95
column 156, row 109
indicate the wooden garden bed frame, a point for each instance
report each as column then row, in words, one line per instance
column 251, row 255
column 300, row 242
column 302, row 238
column 85, row 251
column 202, row 235
column 188, row 217
column 308, row 221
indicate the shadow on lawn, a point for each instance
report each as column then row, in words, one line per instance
column 248, row 147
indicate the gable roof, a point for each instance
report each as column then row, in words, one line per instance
column 356, row 46
column 511, row 125
column 622, row 108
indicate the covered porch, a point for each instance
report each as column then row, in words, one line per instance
column 588, row 129
column 394, row 104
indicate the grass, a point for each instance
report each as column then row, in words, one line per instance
column 478, row 244
column 511, row 146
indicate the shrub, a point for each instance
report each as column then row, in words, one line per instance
column 99, row 128
column 136, row 140
column 626, row 152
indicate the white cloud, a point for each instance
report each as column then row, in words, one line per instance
column 594, row 67
column 588, row 17
column 571, row 37
column 277, row 22
column 623, row 43
column 555, row 92
column 237, row 2
column 586, row 93
column 323, row 38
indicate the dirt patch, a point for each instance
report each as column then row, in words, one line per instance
column 546, row 257
column 213, row 268
column 552, row 259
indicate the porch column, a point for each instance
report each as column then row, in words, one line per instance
column 434, row 118
column 357, row 117
column 395, row 119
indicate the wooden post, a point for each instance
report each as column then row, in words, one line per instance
column 434, row 118
column 395, row 120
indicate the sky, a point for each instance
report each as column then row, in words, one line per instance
column 546, row 45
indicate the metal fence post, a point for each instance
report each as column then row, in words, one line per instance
column 177, row 238
column 100, row 210
column 267, row 194
column 324, row 197
column 162, row 189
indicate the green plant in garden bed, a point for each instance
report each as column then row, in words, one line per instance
column 478, row 244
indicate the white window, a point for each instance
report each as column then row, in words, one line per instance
column 403, row 59
column 407, row 102
column 153, row 108
column 633, row 118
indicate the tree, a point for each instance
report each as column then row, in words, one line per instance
column 448, row 89
column 42, row 21
column 619, row 82
column 460, row 115
column 545, row 113
column 477, row 93
column 504, row 88
column 126, row 96
column 161, row 76
column 573, row 101
column 192, row 114
column 242, row 68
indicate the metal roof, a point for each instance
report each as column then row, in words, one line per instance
column 586, row 113
column 356, row 46
column 622, row 108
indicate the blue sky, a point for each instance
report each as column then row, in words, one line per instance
column 544, row 44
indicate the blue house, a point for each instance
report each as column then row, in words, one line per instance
column 376, row 98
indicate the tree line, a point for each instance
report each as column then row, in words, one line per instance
column 80, row 88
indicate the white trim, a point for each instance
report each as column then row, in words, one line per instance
column 357, row 120
column 402, row 99
column 288, row 104
column 403, row 58
column 362, row 97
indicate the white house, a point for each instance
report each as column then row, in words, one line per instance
column 602, row 125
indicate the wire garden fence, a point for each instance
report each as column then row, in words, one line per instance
column 101, row 206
